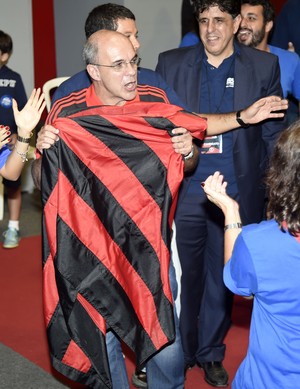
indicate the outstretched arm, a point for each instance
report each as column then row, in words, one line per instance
column 266, row 108
column 26, row 121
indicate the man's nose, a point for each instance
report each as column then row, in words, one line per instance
column 135, row 43
column 243, row 23
column 211, row 26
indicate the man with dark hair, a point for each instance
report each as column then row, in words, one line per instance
column 265, row 17
column 216, row 76
column 255, row 28
column 105, row 17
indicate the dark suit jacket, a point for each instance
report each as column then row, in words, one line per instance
column 257, row 75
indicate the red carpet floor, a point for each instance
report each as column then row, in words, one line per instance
column 22, row 326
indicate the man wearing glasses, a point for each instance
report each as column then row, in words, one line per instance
column 144, row 158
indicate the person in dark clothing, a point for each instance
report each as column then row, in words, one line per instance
column 216, row 76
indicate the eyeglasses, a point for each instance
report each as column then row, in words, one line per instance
column 121, row 65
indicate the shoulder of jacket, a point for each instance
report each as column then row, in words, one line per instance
column 258, row 57
column 183, row 51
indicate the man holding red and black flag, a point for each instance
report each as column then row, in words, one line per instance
column 109, row 189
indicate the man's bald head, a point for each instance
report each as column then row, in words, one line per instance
column 102, row 42
column 112, row 65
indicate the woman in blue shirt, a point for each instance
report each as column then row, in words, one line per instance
column 263, row 260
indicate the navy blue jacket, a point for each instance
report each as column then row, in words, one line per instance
column 256, row 75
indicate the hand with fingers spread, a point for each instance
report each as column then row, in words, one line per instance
column 29, row 116
column 26, row 120
column 265, row 108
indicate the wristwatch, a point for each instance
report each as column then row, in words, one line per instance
column 240, row 121
column 189, row 155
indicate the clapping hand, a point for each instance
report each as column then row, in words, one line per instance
column 215, row 190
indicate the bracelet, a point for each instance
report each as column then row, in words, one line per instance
column 233, row 225
column 240, row 120
column 23, row 140
column 22, row 155
column 189, row 155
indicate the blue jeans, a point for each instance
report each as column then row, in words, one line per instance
column 164, row 371
column 116, row 362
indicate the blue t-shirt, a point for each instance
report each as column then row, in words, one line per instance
column 266, row 263
column 189, row 39
column 81, row 80
column 289, row 71
column 11, row 87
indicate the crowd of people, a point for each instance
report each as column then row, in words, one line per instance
column 202, row 145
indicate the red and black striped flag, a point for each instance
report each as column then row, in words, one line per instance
column 109, row 188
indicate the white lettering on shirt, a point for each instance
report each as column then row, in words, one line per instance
column 10, row 83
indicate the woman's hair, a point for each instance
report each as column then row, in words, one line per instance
column 283, row 179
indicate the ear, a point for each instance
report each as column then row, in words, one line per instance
column 93, row 72
column 269, row 26
column 4, row 57
column 236, row 23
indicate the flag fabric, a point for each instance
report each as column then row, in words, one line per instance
column 109, row 190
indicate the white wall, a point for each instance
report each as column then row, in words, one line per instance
column 16, row 20
column 70, row 16
column 159, row 27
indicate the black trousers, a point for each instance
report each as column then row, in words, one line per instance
column 206, row 303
